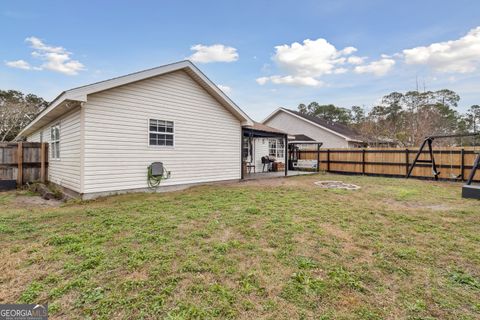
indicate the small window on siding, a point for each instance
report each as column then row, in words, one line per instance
column 55, row 141
column 276, row 148
column 161, row 133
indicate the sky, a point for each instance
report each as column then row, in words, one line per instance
column 263, row 54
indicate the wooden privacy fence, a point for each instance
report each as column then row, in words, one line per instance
column 451, row 162
column 23, row 162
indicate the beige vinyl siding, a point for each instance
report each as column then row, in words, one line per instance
column 260, row 146
column 293, row 125
column 35, row 137
column 207, row 136
column 65, row 171
column 261, row 149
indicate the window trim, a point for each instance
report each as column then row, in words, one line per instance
column 51, row 142
column 277, row 142
column 172, row 133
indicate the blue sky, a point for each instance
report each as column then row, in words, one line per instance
column 265, row 54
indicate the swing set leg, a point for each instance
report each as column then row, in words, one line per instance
column 475, row 166
column 468, row 190
column 432, row 158
column 416, row 158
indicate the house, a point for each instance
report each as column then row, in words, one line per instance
column 307, row 127
column 103, row 136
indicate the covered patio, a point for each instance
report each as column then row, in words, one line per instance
column 263, row 152
column 268, row 153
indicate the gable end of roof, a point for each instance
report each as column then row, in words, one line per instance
column 337, row 129
column 80, row 94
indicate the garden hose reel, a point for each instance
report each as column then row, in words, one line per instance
column 156, row 172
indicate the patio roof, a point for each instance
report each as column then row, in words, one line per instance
column 261, row 130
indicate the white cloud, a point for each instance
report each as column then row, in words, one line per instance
column 304, row 64
column 340, row 70
column 378, row 68
column 356, row 60
column 291, row 80
column 38, row 44
column 313, row 58
column 19, row 64
column 455, row 56
column 56, row 59
column 225, row 89
column 213, row 53
column 262, row 80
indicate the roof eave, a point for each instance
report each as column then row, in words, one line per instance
column 54, row 111
column 306, row 120
column 355, row 140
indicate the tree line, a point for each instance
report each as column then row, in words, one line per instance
column 403, row 118
column 406, row 118
column 17, row 110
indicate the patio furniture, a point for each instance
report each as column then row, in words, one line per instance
column 305, row 164
column 249, row 166
column 266, row 161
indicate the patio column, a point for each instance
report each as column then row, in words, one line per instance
column 285, row 148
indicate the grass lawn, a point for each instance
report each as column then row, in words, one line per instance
column 272, row 249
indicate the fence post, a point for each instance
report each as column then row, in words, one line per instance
column 407, row 161
column 42, row 163
column 462, row 164
column 318, row 158
column 328, row 160
column 363, row 161
column 19, row 164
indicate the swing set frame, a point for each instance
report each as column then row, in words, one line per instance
column 468, row 190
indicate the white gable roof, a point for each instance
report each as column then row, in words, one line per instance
column 64, row 101
column 315, row 123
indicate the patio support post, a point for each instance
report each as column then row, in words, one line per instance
column 285, row 148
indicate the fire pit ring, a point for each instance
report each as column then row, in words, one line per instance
column 336, row 185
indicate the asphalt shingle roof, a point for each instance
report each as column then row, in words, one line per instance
column 339, row 128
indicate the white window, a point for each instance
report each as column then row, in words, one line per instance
column 161, row 133
column 55, row 141
column 276, row 148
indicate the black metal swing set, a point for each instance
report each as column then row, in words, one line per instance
column 468, row 190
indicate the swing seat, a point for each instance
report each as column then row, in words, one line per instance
column 471, row 191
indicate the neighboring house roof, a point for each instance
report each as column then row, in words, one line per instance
column 262, row 127
column 63, row 102
column 335, row 128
